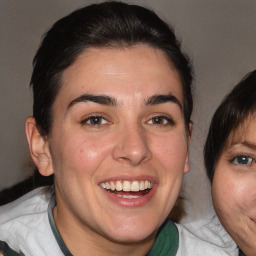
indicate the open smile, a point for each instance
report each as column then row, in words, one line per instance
column 127, row 185
column 129, row 193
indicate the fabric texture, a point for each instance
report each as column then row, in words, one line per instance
column 205, row 237
column 27, row 228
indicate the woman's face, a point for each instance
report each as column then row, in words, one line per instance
column 234, row 188
column 118, row 143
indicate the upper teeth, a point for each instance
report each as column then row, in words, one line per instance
column 127, row 185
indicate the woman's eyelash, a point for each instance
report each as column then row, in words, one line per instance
column 242, row 159
column 94, row 120
column 162, row 120
column 97, row 120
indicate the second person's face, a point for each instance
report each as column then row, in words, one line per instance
column 118, row 143
column 234, row 188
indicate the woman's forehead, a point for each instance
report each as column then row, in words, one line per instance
column 141, row 71
column 121, row 60
column 244, row 131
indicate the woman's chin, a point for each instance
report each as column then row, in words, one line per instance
column 132, row 235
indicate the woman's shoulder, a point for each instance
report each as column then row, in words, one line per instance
column 205, row 235
column 33, row 202
column 23, row 217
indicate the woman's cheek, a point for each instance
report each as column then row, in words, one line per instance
column 88, row 153
column 171, row 147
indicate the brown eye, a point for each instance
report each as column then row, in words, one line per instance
column 161, row 120
column 94, row 120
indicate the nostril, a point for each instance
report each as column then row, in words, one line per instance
column 132, row 146
column 134, row 157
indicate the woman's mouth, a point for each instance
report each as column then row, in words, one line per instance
column 128, row 190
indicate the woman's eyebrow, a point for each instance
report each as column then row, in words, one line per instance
column 249, row 144
column 110, row 101
column 244, row 143
column 163, row 98
column 100, row 99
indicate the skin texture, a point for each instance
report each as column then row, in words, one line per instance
column 129, row 143
column 234, row 190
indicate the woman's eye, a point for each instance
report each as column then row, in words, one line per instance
column 94, row 121
column 242, row 160
column 161, row 120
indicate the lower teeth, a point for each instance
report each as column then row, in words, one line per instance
column 127, row 197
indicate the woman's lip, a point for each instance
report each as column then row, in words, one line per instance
column 132, row 202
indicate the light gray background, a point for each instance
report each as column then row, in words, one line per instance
column 219, row 35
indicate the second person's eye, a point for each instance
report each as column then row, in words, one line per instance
column 242, row 160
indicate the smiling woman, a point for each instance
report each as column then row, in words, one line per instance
column 118, row 139
column 230, row 158
column 111, row 122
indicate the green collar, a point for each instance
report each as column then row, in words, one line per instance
column 55, row 231
column 7, row 251
column 166, row 244
column 167, row 241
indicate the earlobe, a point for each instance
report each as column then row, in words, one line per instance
column 186, row 167
column 39, row 148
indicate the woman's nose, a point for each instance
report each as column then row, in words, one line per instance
column 132, row 145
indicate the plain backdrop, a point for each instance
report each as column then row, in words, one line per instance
column 218, row 35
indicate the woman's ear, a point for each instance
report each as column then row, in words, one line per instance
column 39, row 148
column 190, row 130
column 186, row 167
column 189, row 133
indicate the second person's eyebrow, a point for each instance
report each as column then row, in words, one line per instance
column 100, row 99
